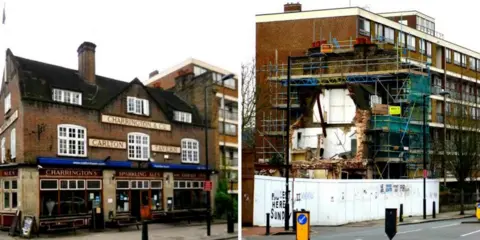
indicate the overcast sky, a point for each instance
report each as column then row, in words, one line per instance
column 135, row 37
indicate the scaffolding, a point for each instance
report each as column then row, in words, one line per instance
column 392, row 138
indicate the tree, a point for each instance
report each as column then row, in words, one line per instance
column 463, row 148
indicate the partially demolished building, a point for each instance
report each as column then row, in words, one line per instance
column 360, row 94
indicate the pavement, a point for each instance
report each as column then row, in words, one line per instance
column 444, row 226
column 156, row 231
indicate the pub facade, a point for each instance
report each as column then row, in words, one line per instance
column 74, row 144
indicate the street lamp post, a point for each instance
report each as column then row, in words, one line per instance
column 444, row 175
column 207, row 175
column 425, row 156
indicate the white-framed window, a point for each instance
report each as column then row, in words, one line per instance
column 379, row 32
column 389, row 35
column 190, row 151
column 10, row 195
column 60, row 95
column 198, row 70
column 3, row 150
column 157, row 184
column 230, row 129
column 72, row 184
column 184, row 184
column 364, row 28
column 478, row 65
column 94, row 184
column 464, row 60
column 401, row 39
column 448, row 55
column 456, row 58
column 182, row 116
column 49, row 184
column 139, row 184
column 138, row 106
column 8, row 103
column 13, row 144
column 429, row 48
column 411, row 42
column 123, row 184
column 138, row 146
column 72, row 140
column 472, row 62
column 421, row 46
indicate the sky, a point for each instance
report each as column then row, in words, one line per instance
column 134, row 38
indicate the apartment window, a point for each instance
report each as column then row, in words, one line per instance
column 72, row 140
column 472, row 62
column 190, row 151
column 421, row 46
column 10, row 197
column 60, row 95
column 364, row 27
column 8, row 103
column 379, row 32
column 138, row 106
column 456, row 58
column 464, row 60
column 478, row 65
column 182, row 116
column 13, row 143
column 411, row 42
column 198, row 70
column 217, row 77
column 138, row 146
column 230, row 129
column 3, row 150
column 401, row 39
column 389, row 35
column 429, row 49
column 448, row 55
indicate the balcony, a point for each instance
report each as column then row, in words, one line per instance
column 228, row 115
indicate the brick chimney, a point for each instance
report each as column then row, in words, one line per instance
column 292, row 7
column 86, row 61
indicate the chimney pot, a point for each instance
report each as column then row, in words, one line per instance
column 155, row 72
column 292, row 7
column 86, row 61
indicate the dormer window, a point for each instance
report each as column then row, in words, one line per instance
column 138, row 106
column 182, row 116
column 8, row 103
column 60, row 95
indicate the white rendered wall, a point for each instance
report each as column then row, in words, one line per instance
column 337, row 202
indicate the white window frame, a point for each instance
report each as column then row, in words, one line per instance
column 411, row 42
column 4, row 153
column 90, row 180
column 144, row 148
column 448, row 55
column 76, row 184
column 156, row 181
column 188, row 184
column 464, row 60
column 144, row 182
column 10, row 192
column 49, row 189
column 478, row 65
column 13, row 144
column 128, row 185
column 429, row 48
column 8, row 103
column 421, row 46
column 138, row 106
column 389, row 35
column 77, row 140
column 457, row 58
column 189, row 154
column 472, row 62
column 401, row 39
column 366, row 27
column 182, row 116
column 65, row 96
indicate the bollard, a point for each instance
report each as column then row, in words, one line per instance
column 434, row 212
column 267, row 227
column 144, row 230
column 230, row 223
column 401, row 213
column 294, row 221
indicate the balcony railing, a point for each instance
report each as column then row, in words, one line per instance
column 226, row 114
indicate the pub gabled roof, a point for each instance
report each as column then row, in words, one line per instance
column 38, row 79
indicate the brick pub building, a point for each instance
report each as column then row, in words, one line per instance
column 72, row 141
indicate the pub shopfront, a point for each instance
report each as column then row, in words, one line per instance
column 9, row 195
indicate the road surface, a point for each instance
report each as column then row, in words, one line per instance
column 442, row 230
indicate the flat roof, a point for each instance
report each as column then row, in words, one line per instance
column 407, row 13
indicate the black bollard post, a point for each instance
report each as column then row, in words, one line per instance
column 144, row 230
column 434, row 212
column 294, row 218
column 230, row 223
column 401, row 213
column 267, row 227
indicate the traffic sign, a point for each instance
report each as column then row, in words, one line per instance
column 302, row 224
column 302, row 219
column 207, row 186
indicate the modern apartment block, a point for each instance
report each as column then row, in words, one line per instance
column 193, row 80
column 357, row 92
